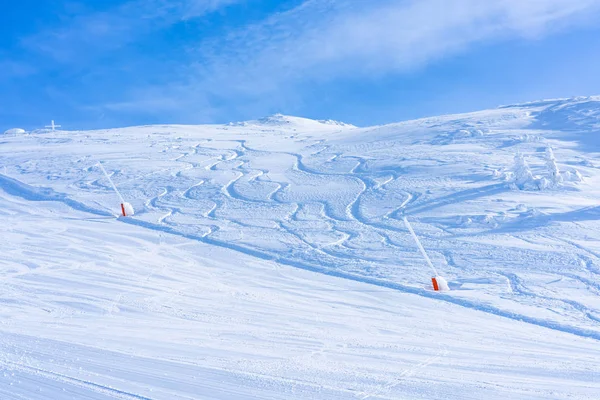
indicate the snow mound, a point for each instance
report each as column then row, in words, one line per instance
column 14, row 131
column 281, row 121
column 335, row 123
column 522, row 177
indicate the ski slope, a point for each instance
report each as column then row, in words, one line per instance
column 269, row 259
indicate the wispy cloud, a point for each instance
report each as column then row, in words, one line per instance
column 86, row 35
column 198, row 8
column 271, row 63
column 324, row 40
column 357, row 37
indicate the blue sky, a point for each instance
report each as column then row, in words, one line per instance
column 108, row 63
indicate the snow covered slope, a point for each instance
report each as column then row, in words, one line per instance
column 268, row 259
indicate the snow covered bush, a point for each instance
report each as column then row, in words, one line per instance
column 464, row 221
column 490, row 220
column 521, row 174
column 544, row 183
column 528, row 138
column 572, row 176
column 555, row 177
column 522, row 178
column 521, row 207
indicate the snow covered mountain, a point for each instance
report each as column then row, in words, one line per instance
column 269, row 259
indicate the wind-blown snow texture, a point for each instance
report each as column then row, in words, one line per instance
column 269, row 259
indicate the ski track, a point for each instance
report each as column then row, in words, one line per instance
column 186, row 194
column 353, row 208
column 19, row 189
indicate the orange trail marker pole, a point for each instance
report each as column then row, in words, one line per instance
column 436, row 285
column 114, row 188
column 419, row 245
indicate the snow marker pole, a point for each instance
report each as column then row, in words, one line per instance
column 434, row 281
column 419, row 245
column 115, row 188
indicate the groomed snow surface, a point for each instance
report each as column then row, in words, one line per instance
column 269, row 259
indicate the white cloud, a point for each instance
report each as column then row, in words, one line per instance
column 268, row 63
column 198, row 8
column 358, row 37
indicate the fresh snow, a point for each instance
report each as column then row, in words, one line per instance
column 14, row 131
column 269, row 259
